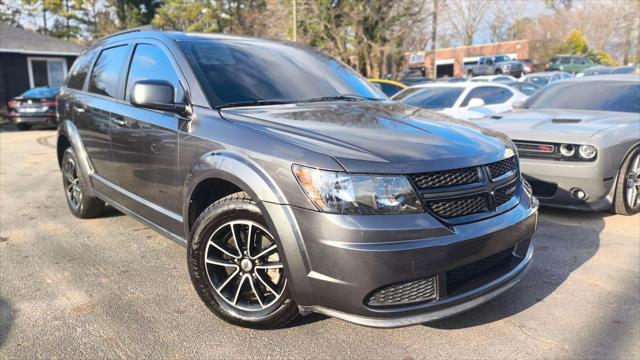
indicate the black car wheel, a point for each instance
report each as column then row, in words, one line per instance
column 470, row 73
column 23, row 126
column 81, row 202
column 498, row 71
column 627, row 197
column 236, row 266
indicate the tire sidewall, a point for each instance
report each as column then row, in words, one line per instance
column 211, row 219
column 621, row 206
column 70, row 154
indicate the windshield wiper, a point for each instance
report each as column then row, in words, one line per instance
column 252, row 103
column 343, row 97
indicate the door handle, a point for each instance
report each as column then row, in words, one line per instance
column 118, row 121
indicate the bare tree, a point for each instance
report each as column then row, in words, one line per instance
column 467, row 17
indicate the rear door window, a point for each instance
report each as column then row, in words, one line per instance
column 565, row 60
column 106, row 72
column 80, row 70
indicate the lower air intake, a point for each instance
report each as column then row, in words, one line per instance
column 403, row 293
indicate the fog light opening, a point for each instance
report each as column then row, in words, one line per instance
column 578, row 194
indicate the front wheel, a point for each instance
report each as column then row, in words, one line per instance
column 237, row 267
column 498, row 71
column 627, row 196
column 470, row 73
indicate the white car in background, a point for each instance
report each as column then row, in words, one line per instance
column 494, row 78
column 543, row 79
column 462, row 100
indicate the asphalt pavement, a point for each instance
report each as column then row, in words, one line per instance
column 112, row 288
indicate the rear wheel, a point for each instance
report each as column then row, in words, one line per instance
column 627, row 195
column 23, row 126
column 236, row 265
column 470, row 73
column 498, row 71
column 81, row 203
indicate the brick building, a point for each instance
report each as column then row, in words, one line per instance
column 450, row 61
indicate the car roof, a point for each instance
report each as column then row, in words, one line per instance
column 385, row 81
column 154, row 32
column 461, row 84
column 609, row 77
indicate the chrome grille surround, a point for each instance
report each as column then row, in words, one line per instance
column 494, row 189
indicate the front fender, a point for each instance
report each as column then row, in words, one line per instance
column 250, row 177
column 68, row 129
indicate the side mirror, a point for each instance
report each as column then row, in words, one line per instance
column 475, row 102
column 155, row 94
column 517, row 104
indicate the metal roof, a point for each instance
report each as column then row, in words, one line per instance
column 16, row 40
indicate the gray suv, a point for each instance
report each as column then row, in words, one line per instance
column 294, row 184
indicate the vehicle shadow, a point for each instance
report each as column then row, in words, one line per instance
column 7, row 318
column 110, row 211
column 565, row 240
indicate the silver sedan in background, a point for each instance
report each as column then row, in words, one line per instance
column 579, row 142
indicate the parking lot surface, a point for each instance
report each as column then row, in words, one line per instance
column 112, row 288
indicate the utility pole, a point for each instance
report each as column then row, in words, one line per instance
column 295, row 20
column 434, row 31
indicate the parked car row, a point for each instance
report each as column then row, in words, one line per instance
column 577, row 139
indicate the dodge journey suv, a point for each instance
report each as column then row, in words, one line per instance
column 294, row 184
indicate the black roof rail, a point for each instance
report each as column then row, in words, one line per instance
column 132, row 30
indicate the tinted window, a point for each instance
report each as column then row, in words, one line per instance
column 502, row 58
column 243, row 71
column 106, row 72
column 621, row 96
column 41, row 92
column 539, row 80
column 389, row 89
column 80, row 70
column 565, row 60
column 150, row 63
column 490, row 95
column 432, row 97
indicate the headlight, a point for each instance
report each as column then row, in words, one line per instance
column 567, row 150
column 342, row 193
column 587, row 151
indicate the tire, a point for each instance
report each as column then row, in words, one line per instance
column 470, row 73
column 217, row 254
column 79, row 199
column 498, row 72
column 629, row 175
column 23, row 126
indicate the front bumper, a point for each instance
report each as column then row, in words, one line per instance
column 553, row 182
column 342, row 259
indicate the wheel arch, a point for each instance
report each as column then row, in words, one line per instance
column 68, row 136
column 218, row 174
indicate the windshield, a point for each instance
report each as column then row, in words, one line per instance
column 431, row 97
column 41, row 92
column 539, row 80
column 501, row 58
column 245, row 71
column 621, row 96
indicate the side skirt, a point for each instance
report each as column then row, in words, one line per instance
column 176, row 238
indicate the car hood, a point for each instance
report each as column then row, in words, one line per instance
column 377, row 137
column 556, row 125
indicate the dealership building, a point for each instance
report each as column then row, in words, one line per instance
column 450, row 61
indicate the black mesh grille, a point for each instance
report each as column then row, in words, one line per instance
column 502, row 167
column 505, row 193
column 475, row 268
column 441, row 179
column 404, row 293
column 458, row 207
